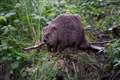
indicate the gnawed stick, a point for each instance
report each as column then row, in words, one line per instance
column 37, row 46
column 97, row 47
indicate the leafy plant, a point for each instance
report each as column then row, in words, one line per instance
column 113, row 51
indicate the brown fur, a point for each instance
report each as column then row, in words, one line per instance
column 65, row 31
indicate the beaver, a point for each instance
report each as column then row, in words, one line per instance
column 65, row 31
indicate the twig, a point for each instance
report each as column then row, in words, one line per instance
column 34, row 47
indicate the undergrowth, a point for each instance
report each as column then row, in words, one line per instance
column 21, row 22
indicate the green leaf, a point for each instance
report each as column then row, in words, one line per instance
column 15, row 65
column 3, row 20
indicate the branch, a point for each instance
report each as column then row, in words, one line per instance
column 97, row 47
column 37, row 46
